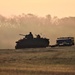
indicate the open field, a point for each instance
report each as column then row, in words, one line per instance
column 39, row 61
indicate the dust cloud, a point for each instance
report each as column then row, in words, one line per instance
column 49, row 27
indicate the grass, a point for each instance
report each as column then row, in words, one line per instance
column 40, row 61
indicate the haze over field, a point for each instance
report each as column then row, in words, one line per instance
column 10, row 28
column 30, row 16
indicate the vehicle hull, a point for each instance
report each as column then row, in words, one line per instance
column 32, row 43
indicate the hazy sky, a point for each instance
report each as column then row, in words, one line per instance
column 60, row 8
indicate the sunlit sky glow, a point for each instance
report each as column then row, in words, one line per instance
column 60, row 8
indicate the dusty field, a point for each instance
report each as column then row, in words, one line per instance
column 40, row 61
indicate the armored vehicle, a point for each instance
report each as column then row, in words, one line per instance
column 65, row 41
column 30, row 42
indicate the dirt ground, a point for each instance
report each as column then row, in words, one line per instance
column 39, row 61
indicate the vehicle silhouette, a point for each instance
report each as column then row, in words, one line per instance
column 30, row 42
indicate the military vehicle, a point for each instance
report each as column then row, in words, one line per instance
column 30, row 42
column 65, row 41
